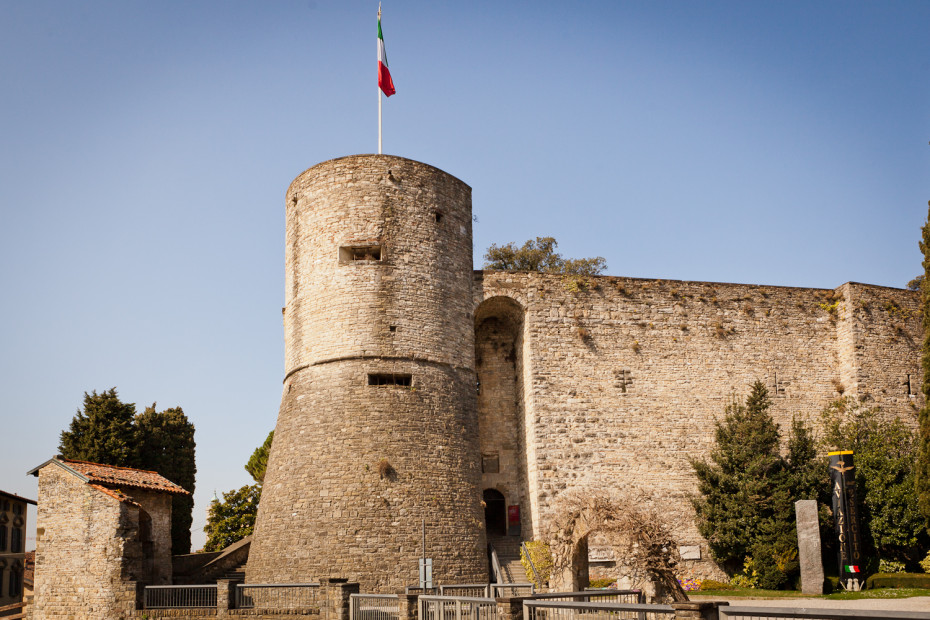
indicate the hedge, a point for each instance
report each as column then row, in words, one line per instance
column 898, row 580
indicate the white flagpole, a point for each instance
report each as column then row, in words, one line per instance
column 379, row 87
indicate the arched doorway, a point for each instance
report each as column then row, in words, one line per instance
column 495, row 512
column 499, row 325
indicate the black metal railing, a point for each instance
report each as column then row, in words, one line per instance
column 536, row 609
column 802, row 613
column 179, row 597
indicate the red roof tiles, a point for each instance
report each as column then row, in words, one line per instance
column 113, row 476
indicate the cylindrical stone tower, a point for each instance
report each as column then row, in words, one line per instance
column 378, row 424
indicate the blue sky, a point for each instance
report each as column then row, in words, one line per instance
column 146, row 149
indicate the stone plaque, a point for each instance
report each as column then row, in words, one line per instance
column 690, row 552
column 809, row 546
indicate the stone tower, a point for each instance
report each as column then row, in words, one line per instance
column 378, row 423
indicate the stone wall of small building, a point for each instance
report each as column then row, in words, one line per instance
column 84, row 550
column 92, row 548
column 624, row 378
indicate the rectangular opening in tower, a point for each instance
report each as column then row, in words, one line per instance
column 401, row 380
column 348, row 254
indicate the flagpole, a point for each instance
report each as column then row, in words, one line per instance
column 379, row 87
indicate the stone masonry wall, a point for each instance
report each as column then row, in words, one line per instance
column 158, row 507
column 378, row 289
column 625, row 378
column 82, row 539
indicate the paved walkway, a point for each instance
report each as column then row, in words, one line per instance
column 914, row 603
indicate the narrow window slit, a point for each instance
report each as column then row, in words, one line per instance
column 348, row 254
column 401, row 380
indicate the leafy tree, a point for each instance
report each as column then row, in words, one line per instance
column 109, row 431
column 885, row 454
column 916, row 284
column 922, row 473
column 103, row 432
column 540, row 255
column 232, row 519
column 258, row 462
column 747, row 491
column 166, row 445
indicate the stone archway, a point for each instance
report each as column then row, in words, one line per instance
column 499, row 369
column 632, row 527
column 495, row 512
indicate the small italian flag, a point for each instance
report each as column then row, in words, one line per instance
column 851, row 568
column 385, row 83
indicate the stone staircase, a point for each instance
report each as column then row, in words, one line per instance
column 236, row 573
column 508, row 554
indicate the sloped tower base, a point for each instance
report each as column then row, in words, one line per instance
column 378, row 424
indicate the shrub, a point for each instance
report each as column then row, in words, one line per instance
column 898, row 580
column 711, row 584
column 602, row 582
column 885, row 452
column 925, row 564
column 542, row 561
column 890, row 566
column 749, row 578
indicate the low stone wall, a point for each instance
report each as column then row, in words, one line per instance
column 253, row 614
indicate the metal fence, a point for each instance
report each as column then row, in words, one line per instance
column 277, row 596
column 802, row 613
column 186, row 597
column 536, row 609
column 457, row 608
column 374, row 607
column 511, row 589
column 478, row 590
column 632, row 597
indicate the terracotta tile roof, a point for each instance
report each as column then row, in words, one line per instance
column 113, row 476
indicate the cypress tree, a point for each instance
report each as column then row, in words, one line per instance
column 922, row 473
column 747, row 491
column 108, row 431
column 166, row 445
column 258, row 462
column 102, row 432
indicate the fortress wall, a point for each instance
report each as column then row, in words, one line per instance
column 419, row 219
column 336, row 510
column 379, row 287
column 888, row 335
column 626, row 379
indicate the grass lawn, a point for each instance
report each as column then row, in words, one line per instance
column 836, row 596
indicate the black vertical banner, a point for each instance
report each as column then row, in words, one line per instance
column 846, row 517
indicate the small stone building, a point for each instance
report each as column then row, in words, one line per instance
column 13, row 509
column 100, row 531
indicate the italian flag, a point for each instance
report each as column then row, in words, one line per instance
column 384, row 74
column 852, row 568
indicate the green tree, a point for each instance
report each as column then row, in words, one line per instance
column 540, row 255
column 109, row 431
column 885, row 454
column 745, row 507
column 103, row 432
column 258, row 462
column 232, row 519
column 166, row 445
column 922, row 469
